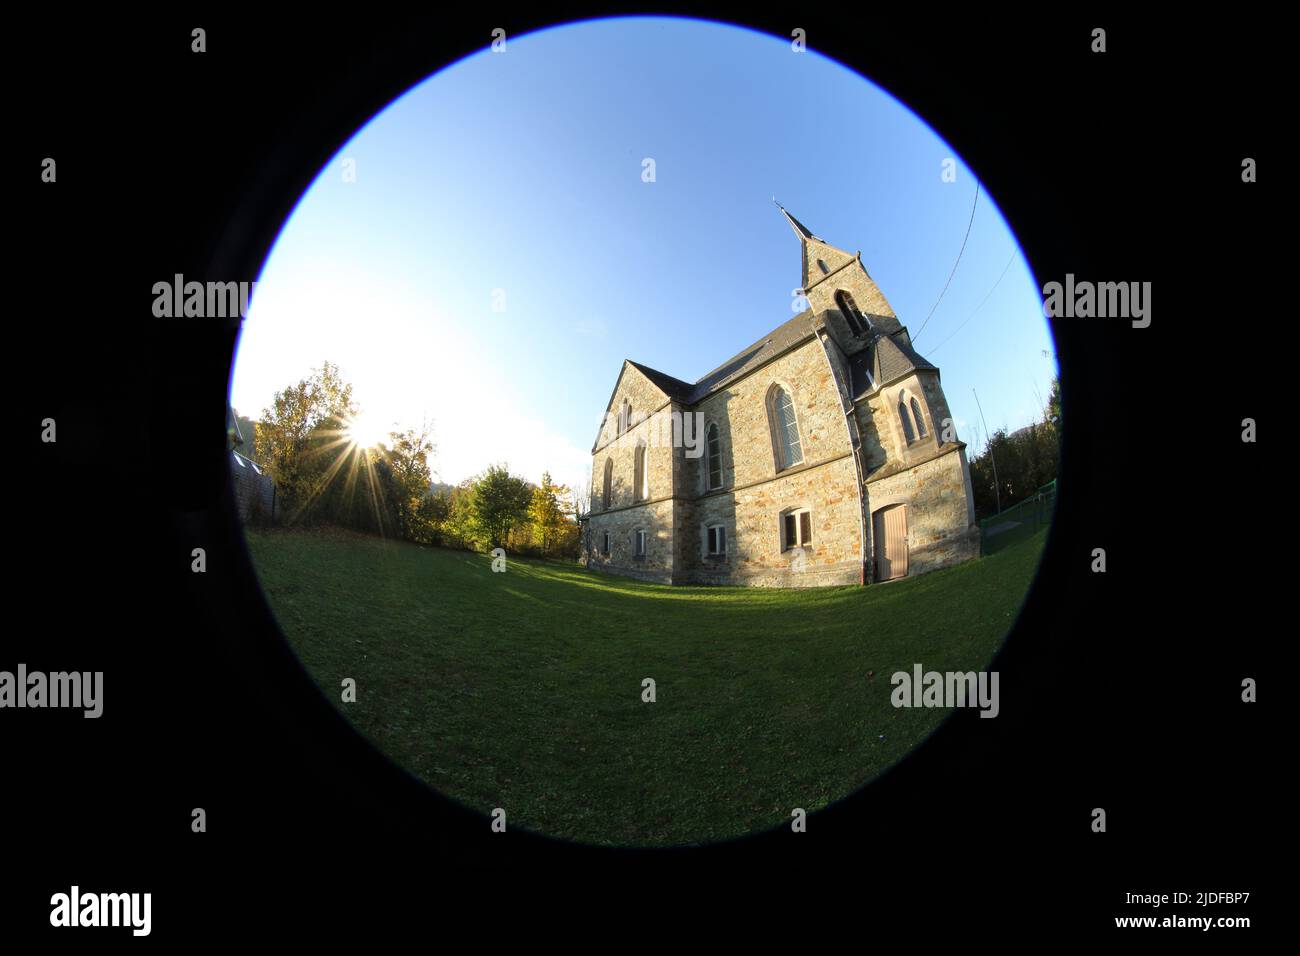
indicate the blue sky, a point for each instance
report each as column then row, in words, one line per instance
column 516, row 178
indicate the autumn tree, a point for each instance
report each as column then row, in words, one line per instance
column 290, row 428
column 459, row 527
column 407, row 454
column 546, row 511
column 1053, row 412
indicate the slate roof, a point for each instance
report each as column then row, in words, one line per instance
column 672, row 387
column 802, row 231
column 887, row 358
column 778, row 340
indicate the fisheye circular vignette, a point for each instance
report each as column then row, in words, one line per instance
column 609, row 498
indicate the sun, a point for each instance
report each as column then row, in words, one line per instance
column 366, row 431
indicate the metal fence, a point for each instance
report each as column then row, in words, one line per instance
column 1018, row 522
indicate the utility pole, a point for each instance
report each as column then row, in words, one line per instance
column 989, row 442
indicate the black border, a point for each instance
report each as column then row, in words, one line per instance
column 1120, row 166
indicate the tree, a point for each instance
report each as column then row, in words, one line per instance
column 1053, row 412
column 581, row 496
column 290, row 425
column 408, row 457
column 1026, row 460
column 545, row 511
column 459, row 527
column 500, row 503
column 345, row 484
column 430, row 516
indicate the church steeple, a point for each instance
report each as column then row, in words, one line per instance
column 836, row 280
column 799, row 228
column 820, row 258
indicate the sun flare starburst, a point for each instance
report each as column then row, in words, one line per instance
column 366, row 431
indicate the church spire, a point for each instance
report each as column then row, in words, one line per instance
column 799, row 228
column 834, row 280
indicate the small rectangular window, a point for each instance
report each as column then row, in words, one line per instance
column 605, row 548
column 640, row 544
column 796, row 530
column 717, row 539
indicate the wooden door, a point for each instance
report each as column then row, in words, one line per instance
column 890, row 528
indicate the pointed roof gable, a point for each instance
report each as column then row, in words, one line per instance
column 672, row 387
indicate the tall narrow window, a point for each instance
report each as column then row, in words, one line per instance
column 858, row 323
column 786, row 428
column 920, row 419
column 605, row 549
column 640, row 481
column 906, row 421
column 605, row 495
column 713, row 447
column 640, row 544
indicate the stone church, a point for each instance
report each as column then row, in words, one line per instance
column 822, row 454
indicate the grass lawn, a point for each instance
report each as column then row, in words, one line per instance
column 522, row 690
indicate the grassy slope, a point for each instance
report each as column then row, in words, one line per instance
column 523, row 690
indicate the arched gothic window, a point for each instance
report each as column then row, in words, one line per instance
column 906, row 420
column 713, row 448
column 640, row 480
column 785, row 428
column 920, row 419
column 858, row 323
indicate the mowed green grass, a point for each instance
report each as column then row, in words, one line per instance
column 522, row 689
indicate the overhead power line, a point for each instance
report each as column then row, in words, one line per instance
column 973, row 204
column 978, row 307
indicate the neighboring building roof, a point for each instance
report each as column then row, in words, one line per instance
column 243, row 462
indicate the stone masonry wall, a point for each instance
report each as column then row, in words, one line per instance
column 656, row 518
column 939, row 532
column 754, row 496
column 928, row 476
column 644, row 398
column 884, row 442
